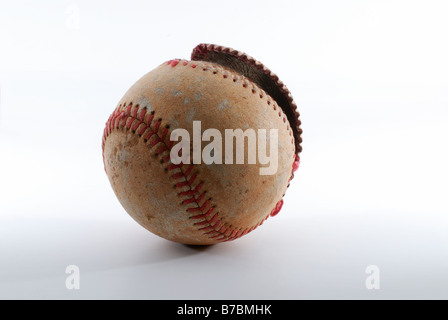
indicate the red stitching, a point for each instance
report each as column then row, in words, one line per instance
column 200, row 223
column 170, row 144
column 190, row 168
column 191, row 180
column 195, row 209
column 149, row 135
column 156, row 141
column 177, row 175
column 213, row 219
column 164, row 133
column 205, row 205
column 136, row 125
column 166, row 158
column 296, row 164
column 187, row 193
column 173, row 166
column 150, row 118
column 142, row 130
column 157, row 125
column 277, row 208
column 201, row 196
column 216, row 225
column 173, row 62
column 134, row 113
column 183, row 184
column 129, row 125
column 162, row 149
column 191, row 200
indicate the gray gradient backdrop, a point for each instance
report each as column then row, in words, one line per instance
column 370, row 79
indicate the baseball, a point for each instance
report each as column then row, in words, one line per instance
column 202, row 151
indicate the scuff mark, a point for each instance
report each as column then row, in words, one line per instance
column 190, row 114
column 173, row 123
column 176, row 93
column 123, row 156
column 143, row 102
column 223, row 105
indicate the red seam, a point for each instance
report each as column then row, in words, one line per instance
column 191, row 200
column 201, row 196
column 136, row 125
column 187, row 193
column 177, row 175
column 162, row 149
column 190, row 168
column 296, row 163
column 183, row 184
column 156, row 141
column 201, row 223
column 172, row 166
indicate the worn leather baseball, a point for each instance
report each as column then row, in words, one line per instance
column 199, row 203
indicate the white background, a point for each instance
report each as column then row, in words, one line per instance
column 371, row 82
